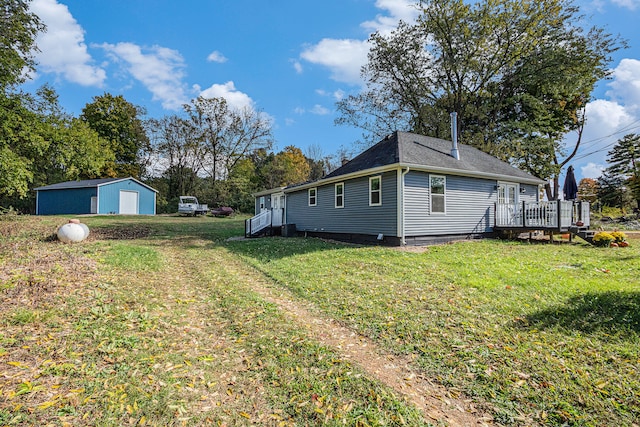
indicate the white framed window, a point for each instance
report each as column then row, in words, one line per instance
column 262, row 207
column 340, row 195
column 313, row 196
column 375, row 191
column 437, row 191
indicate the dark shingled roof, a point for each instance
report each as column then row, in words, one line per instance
column 411, row 149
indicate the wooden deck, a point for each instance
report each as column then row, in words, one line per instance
column 555, row 216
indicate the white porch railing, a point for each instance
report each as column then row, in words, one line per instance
column 558, row 214
column 257, row 223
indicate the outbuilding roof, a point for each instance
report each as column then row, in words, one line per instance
column 88, row 183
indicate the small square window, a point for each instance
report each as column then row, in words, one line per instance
column 340, row 195
column 313, row 199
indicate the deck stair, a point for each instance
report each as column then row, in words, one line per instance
column 583, row 232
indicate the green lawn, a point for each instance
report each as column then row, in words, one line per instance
column 155, row 321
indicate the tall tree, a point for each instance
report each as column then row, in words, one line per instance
column 44, row 145
column 624, row 159
column 289, row 166
column 226, row 134
column 19, row 139
column 73, row 150
column 588, row 190
column 518, row 73
column 18, row 30
column 178, row 153
column 119, row 122
column 612, row 190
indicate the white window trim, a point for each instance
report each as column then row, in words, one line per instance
column 339, row 184
column 315, row 196
column 444, row 196
column 379, row 177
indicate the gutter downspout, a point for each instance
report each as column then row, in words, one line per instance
column 402, row 237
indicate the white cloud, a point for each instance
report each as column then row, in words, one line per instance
column 405, row 10
column 297, row 66
column 62, row 47
column 216, row 56
column 158, row 68
column 343, row 57
column 228, row 91
column 625, row 86
column 592, row 170
column 319, row 110
column 610, row 119
column 628, row 4
column 337, row 95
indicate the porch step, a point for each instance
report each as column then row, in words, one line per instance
column 583, row 232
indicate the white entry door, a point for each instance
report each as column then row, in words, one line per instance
column 277, row 209
column 508, row 212
column 94, row 205
column 128, row 202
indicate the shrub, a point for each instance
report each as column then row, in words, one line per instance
column 603, row 239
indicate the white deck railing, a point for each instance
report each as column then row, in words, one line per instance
column 557, row 214
column 257, row 223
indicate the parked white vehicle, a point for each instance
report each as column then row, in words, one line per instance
column 189, row 205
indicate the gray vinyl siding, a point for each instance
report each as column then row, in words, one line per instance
column 267, row 203
column 356, row 217
column 530, row 194
column 469, row 206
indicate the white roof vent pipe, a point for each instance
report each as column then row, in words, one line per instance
column 454, row 136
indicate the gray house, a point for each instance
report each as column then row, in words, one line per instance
column 408, row 189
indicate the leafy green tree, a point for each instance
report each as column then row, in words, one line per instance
column 44, row 145
column 612, row 190
column 18, row 30
column 19, row 138
column 73, row 150
column 20, row 143
column 518, row 73
column 119, row 122
column 624, row 159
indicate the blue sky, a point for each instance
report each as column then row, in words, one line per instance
column 290, row 59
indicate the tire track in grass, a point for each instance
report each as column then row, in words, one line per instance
column 205, row 341
column 436, row 402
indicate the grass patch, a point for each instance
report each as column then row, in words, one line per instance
column 134, row 258
column 149, row 326
column 543, row 334
column 155, row 321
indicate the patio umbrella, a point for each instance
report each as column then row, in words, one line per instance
column 570, row 188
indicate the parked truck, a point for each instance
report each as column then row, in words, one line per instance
column 189, row 205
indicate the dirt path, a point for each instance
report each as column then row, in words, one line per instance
column 438, row 403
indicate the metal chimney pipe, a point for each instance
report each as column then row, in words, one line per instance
column 454, row 136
